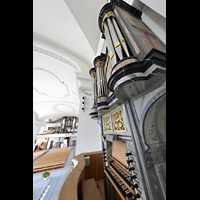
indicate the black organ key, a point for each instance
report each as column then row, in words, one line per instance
column 120, row 183
column 117, row 172
column 118, row 180
column 128, row 194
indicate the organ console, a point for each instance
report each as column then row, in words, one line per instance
column 128, row 101
column 125, row 180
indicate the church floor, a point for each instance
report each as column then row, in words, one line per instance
column 53, row 184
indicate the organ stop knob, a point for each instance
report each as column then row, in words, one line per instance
column 131, row 168
column 136, row 196
column 134, row 186
column 129, row 161
column 128, row 154
column 133, row 177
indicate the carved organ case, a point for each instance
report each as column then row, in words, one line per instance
column 129, row 103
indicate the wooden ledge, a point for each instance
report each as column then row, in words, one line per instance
column 70, row 186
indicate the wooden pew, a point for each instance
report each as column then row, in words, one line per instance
column 37, row 154
column 56, row 158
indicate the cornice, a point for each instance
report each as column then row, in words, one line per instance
column 54, row 55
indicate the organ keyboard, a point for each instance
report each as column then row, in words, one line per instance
column 124, row 173
column 123, row 181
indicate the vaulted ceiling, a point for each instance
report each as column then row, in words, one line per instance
column 65, row 41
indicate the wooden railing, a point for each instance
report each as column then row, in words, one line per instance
column 72, row 187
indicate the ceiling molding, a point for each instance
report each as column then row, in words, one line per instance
column 62, row 104
column 55, row 102
column 54, row 55
column 61, row 82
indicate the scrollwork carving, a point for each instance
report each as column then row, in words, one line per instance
column 117, row 120
column 107, row 124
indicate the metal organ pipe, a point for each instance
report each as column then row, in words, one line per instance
column 116, row 50
column 93, row 74
column 93, row 95
column 95, row 90
column 111, row 51
column 121, row 38
column 98, row 81
column 115, row 39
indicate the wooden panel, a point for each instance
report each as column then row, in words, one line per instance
column 90, row 190
column 118, row 152
column 95, row 170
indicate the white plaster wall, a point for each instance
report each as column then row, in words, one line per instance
column 155, row 22
column 158, row 6
column 88, row 139
column 153, row 14
column 88, row 133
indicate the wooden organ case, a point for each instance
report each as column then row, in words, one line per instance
column 129, row 103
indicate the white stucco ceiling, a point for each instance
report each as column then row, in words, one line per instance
column 65, row 41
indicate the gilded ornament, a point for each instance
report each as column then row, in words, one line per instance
column 93, row 74
column 111, row 55
column 105, row 67
column 107, row 124
column 117, row 44
column 117, row 120
column 123, row 40
column 99, row 64
column 108, row 14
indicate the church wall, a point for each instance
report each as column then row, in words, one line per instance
column 88, row 133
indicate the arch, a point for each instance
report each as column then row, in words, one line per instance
column 152, row 98
column 154, row 124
